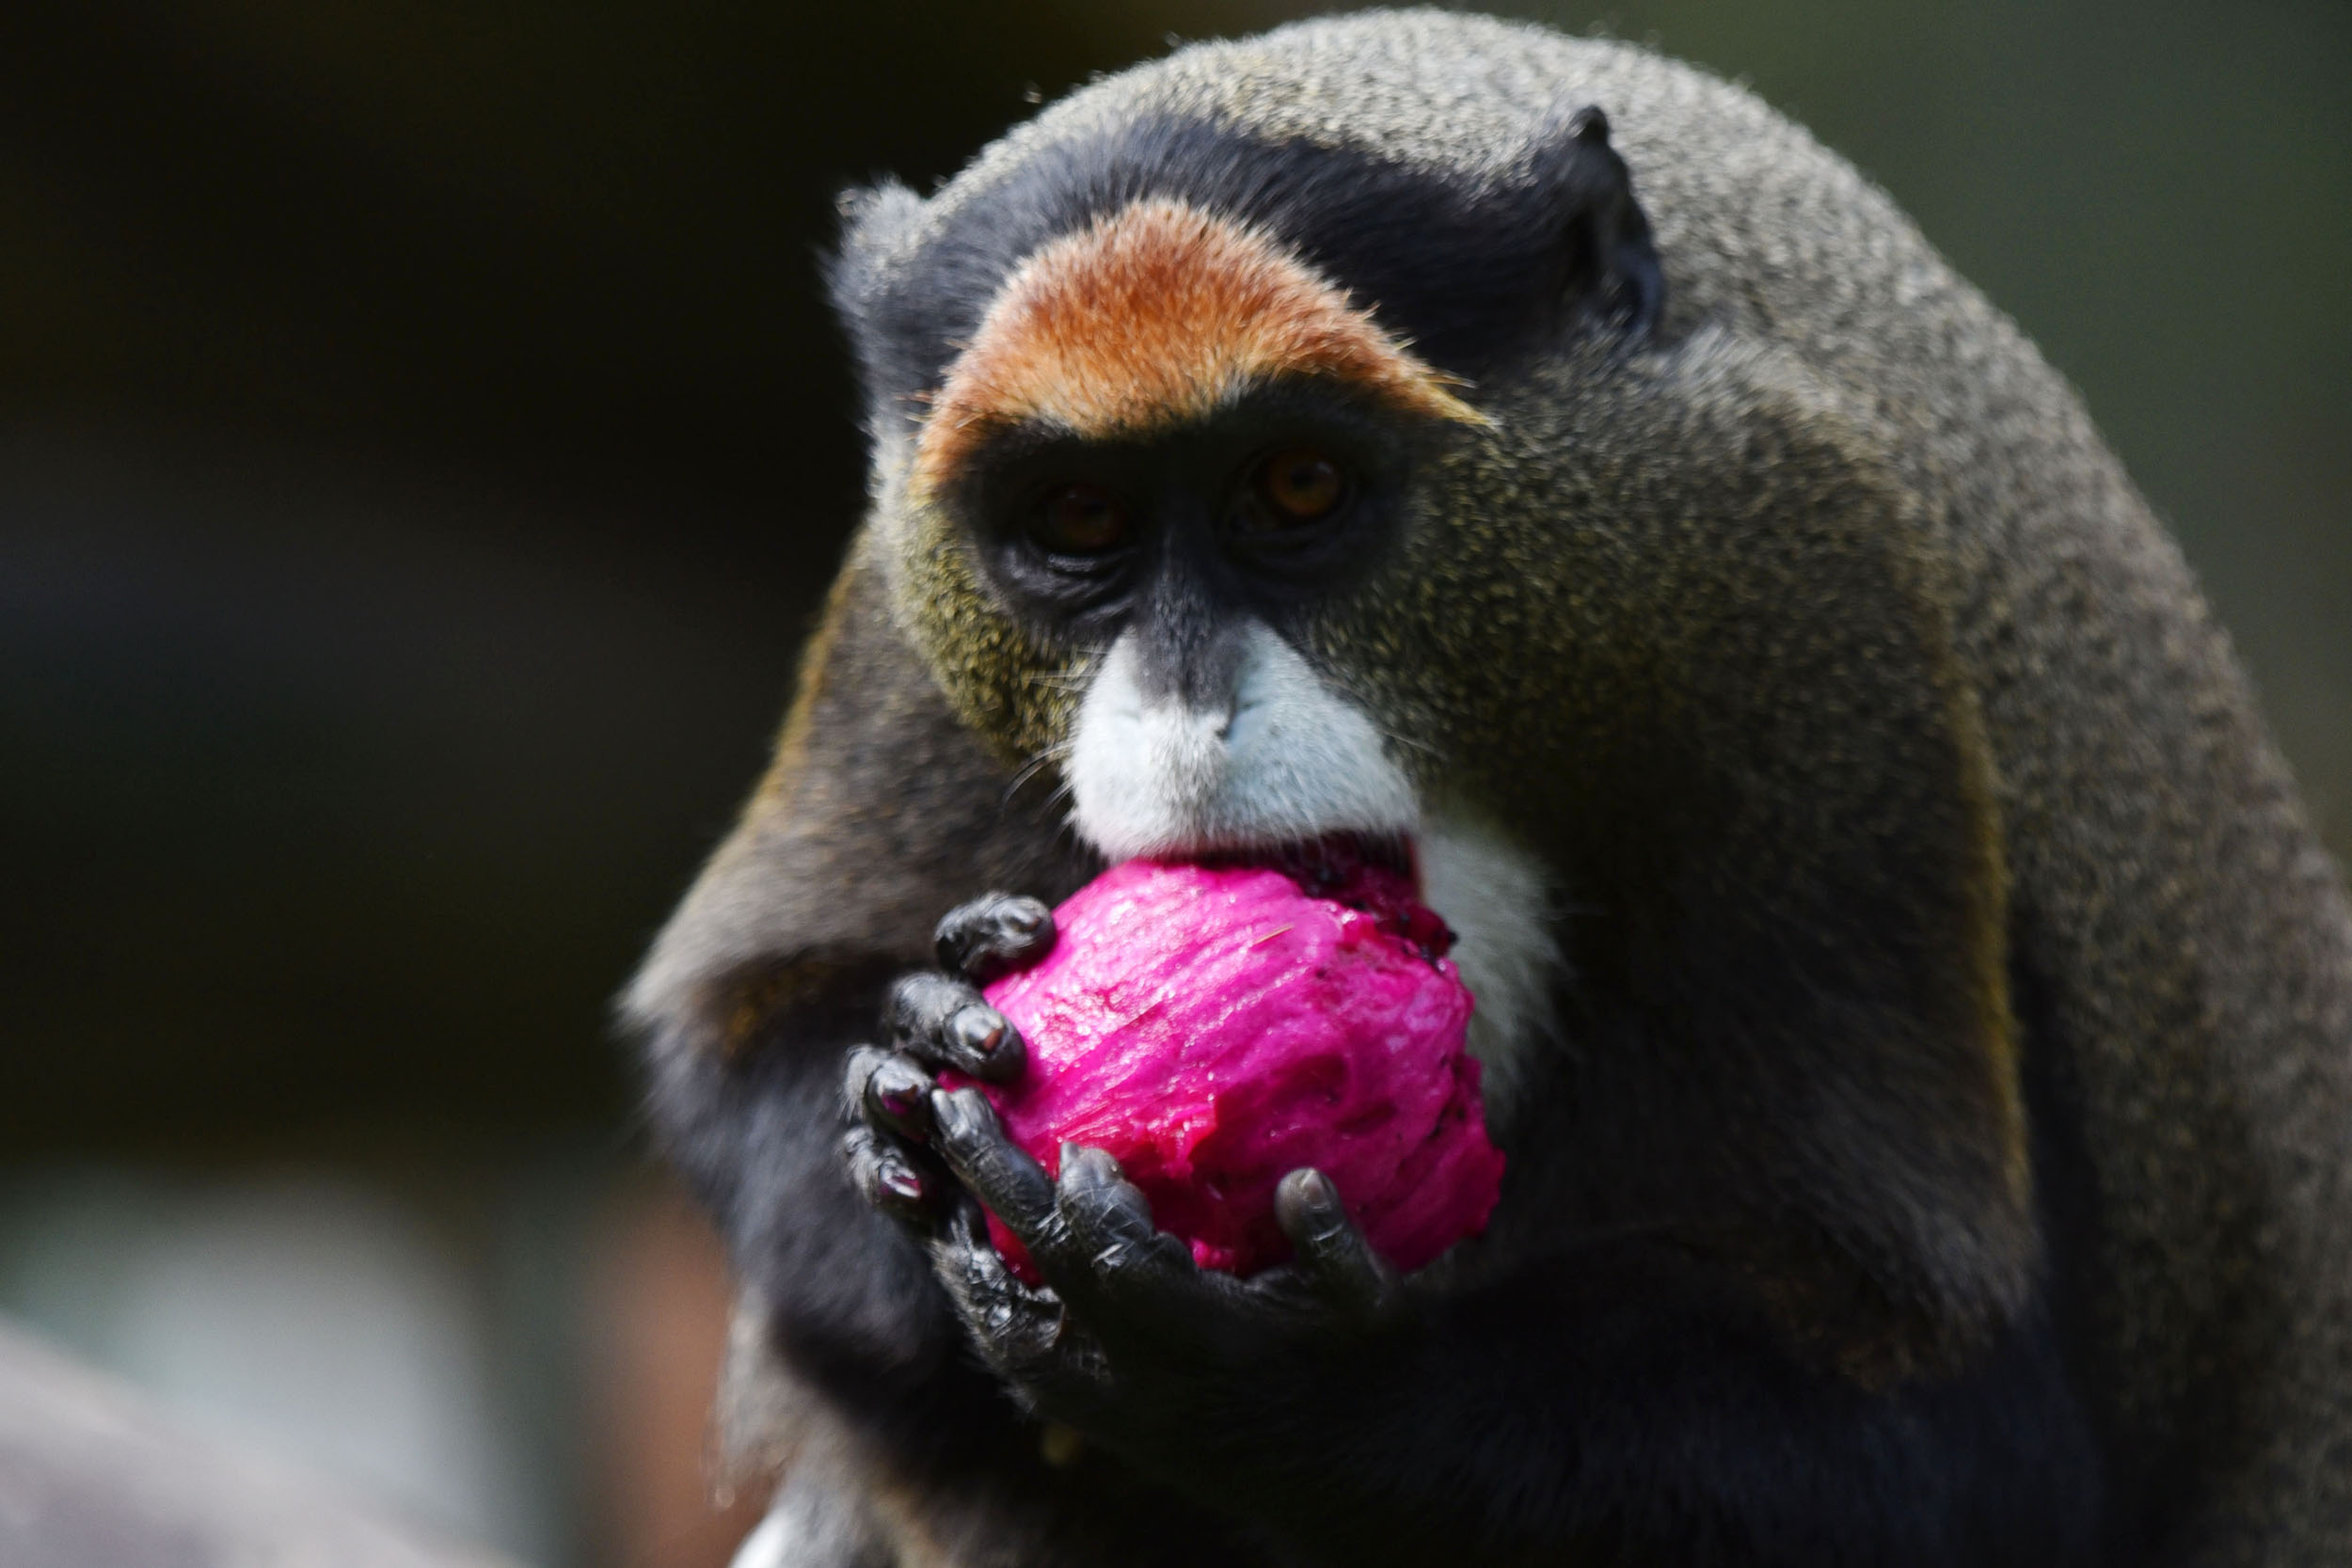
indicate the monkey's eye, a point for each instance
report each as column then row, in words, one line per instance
column 1079, row 520
column 1297, row 486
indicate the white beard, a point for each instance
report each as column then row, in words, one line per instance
column 1287, row 759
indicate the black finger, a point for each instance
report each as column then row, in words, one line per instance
column 857, row 1069
column 992, row 1166
column 994, row 935
column 1020, row 1331
column 1054, row 1366
column 886, row 1177
column 1332, row 1255
column 945, row 1023
column 975, row 1273
column 1130, row 1280
column 893, row 1092
column 1104, row 1212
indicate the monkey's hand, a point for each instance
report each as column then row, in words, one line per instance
column 1129, row 1343
column 936, row 1020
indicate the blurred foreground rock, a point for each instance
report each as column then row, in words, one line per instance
column 92, row 1474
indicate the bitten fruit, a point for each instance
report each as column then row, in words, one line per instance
column 1214, row 1026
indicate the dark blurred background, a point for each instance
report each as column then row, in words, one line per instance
column 422, row 447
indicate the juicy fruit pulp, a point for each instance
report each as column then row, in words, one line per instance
column 1213, row 1026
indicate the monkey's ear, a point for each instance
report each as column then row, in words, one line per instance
column 1607, row 261
column 874, row 220
column 878, row 225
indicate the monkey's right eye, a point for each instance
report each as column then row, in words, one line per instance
column 1079, row 520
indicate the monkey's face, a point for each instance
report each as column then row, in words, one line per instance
column 1170, row 463
column 1195, row 440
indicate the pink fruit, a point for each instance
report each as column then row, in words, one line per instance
column 1214, row 1026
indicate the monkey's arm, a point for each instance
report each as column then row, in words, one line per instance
column 878, row 807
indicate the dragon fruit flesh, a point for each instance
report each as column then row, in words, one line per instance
column 1213, row 1026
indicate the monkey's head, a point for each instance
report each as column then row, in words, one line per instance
column 1193, row 442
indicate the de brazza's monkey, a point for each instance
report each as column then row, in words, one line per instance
column 1915, row 1012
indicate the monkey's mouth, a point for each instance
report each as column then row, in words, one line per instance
column 1378, row 873
column 1326, row 865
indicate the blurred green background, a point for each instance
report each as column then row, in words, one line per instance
column 422, row 446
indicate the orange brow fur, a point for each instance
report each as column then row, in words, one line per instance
column 1159, row 314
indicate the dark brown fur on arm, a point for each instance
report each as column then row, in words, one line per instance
column 879, row 813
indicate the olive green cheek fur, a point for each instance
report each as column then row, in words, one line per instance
column 1017, row 697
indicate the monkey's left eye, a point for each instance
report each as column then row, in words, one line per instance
column 1298, row 485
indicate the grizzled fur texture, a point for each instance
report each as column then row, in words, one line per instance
column 1938, row 1149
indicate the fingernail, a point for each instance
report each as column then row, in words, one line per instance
column 1085, row 1167
column 902, row 1183
column 898, row 1089
column 953, row 1112
column 979, row 1029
